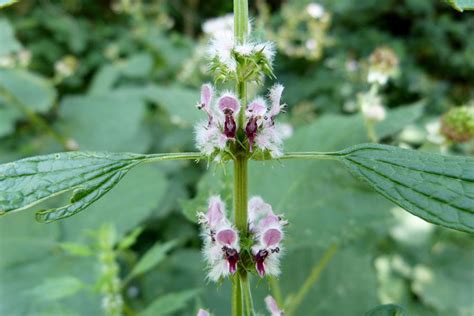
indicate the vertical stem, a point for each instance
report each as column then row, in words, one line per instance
column 236, row 296
column 241, row 20
column 240, row 194
column 240, row 283
column 247, row 294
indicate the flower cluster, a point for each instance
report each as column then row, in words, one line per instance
column 254, row 58
column 222, row 249
column 383, row 64
column 219, row 131
column 266, row 228
column 371, row 106
column 294, row 42
column 221, row 240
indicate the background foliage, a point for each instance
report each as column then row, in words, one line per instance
column 124, row 76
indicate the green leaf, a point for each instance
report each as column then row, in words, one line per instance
column 387, row 310
column 57, row 288
column 33, row 91
column 398, row 118
column 29, row 181
column 126, row 206
column 112, row 121
column 437, row 188
column 462, row 5
column 77, row 249
column 177, row 101
column 5, row 3
column 9, row 42
column 130, row 239
column 152, row 258
column 89, row 175
column 169, row 303
column 444, row 279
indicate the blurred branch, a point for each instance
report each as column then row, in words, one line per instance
column 37, row 120
column 311, row 280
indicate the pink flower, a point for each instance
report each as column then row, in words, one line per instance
column 272, row 306
column 202, row 312
column 267, row 229
column 207, row 92
column 255, row 112
column 221, row 240
column 230, row 106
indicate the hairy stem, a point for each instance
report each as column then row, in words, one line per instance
column 240, row 285
column 247, row 294
column 312, row 278
column 241, row 20
column 240, row 194
column 236, row 296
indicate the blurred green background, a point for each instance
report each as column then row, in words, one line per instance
column 124, row 75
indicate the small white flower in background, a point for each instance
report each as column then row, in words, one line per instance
column 221, row 240
column 216, row 26
column 267, row 229
column 24, row 57
column 315, row 10
column 311, row 44
column 202, row 312
column 7, row 61
column 383, row 65
column 371, row 106
column 272, row 306
column 434, row 133
column 66, row 66
column 376, row 76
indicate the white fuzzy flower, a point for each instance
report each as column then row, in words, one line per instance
column 371, row 106
column 272, row 306
column 220, row 25
column 315, row 10
column 434, row 133
column 267, row 229
column 378, row 77
column 221, row 240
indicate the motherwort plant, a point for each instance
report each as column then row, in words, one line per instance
column 249, row 238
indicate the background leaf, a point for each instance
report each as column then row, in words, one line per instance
column 169, row 303
column 387, row 310
column 4, row 3
column 462, row 5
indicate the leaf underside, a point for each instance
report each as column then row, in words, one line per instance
column 437, row 188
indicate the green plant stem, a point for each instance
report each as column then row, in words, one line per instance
column 312, row 278
column 241, row 20
column 37, row 120
column 240, row 281
column 236, row 296
column 247, row 294
column 240, row 194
